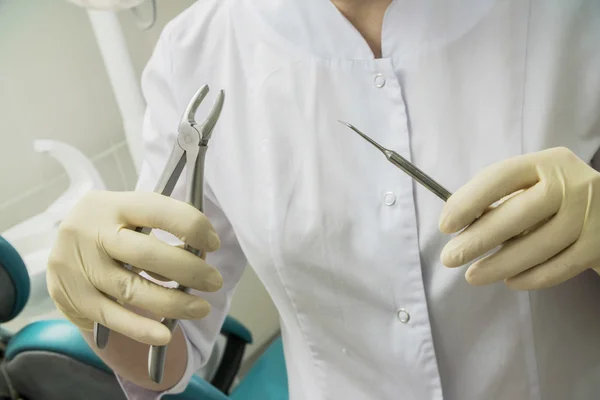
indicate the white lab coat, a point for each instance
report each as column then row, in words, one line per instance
column 340, row 238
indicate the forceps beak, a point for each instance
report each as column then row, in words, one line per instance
column 205, row 129
column 213, row 116
column 190, row 111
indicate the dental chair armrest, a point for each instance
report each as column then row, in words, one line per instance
column 238, row 336
column 54, row 336
column 232, row 327
column 62, row 337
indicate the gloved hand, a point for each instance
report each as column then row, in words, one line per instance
column 100, row 230
column 549, row 232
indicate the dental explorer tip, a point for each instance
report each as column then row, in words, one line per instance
column 364, row 136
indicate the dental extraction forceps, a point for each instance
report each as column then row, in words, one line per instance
column 406, row 166
column 189, row 151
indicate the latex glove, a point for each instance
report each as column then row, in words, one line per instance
column 98, row 231
column 550, row 232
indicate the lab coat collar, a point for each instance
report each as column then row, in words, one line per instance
column 312, row 26
column 318, row 28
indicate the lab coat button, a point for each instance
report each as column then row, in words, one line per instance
column 389, row 198
column 379, row 80
column 403, row 315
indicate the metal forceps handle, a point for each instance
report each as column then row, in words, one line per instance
column 193, row 139
column 406, row 166
column 195, row 195
column 189, row 151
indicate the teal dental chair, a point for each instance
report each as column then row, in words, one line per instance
column 50, row 360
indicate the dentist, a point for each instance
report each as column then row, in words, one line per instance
column 491, row 98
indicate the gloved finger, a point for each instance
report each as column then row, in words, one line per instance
column 525, row 252
column 490, row 185
column 562, row 267
column 498, row 225
column 150, row 254
column 99, row 308
column 130, row 288
column 82, row 323
column 154, row 210
column 68, row 309
column 118, row 318
column 158, row 277
column 161, row 278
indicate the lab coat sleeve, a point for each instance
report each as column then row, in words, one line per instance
column 159, row 134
